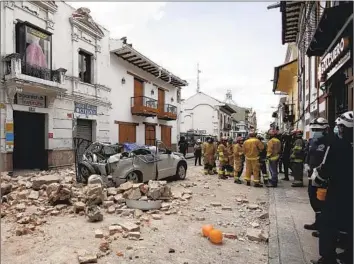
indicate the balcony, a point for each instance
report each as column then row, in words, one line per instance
column 169, row 112
column 32, row 79
column 143, row 106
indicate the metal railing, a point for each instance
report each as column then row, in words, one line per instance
column 170, row 109
column 143, row 101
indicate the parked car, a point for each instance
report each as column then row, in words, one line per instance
column 138, row 165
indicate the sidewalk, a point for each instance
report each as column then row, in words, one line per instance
column 289, row 242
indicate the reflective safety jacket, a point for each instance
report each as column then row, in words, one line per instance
column 222, row 153
column 273, row 149
column 298, row 151
column 251, row 148
column 230, row 153
column 237, row 151
column 209, row 151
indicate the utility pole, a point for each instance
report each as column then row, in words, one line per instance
column 198, row 83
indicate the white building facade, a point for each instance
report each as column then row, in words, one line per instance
column 145, row 100
column 54, row 85
column 203, row 112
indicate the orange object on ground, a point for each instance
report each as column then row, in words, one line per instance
column 215, row 236
column 321, row 194
column 206, row 230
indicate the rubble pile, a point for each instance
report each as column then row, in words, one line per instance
column 28, row 199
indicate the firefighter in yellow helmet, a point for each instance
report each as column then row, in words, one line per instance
column 209, row 151
column 223, row 158
column 238, row 162
column 251, row 149
column 230, row 165
column 273, row 155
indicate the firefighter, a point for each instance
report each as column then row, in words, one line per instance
column 315, row 152
column 251, row 149
column 223, row 158
column 230, row 166
column 297, row 158
column 286, row 155
column 273, row 154
column 209, row 151
column 216, row 144
column 337, row 214
column 262, row 161
column 238, row 159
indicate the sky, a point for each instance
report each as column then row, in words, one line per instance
column 237, row 45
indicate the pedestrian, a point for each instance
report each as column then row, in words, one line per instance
column 280, row 137
column 273, row 154
column 183, row 145
column 230, row 165
column 263, row 161
column 198, row 153
column 337, row 213
column 223, row 158
column 286, row 155
column 251, row 149
column 316, row 149
column 238, row 160
column 209, row 151
column 297, row 159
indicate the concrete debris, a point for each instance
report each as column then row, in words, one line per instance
column 94, row 194
column 107, row 204
column 119, row 198
column 134, row 194
column 256, row 235
column 138, row 213
column 230, row 235
column 125, row 187
column 200, row 218
column 44, row 180
column 252, row 206
column 98, row 233
column 79, row 206
column 104, row 245
column 226, row 208
column 93, row 212
column 156, row 217
column 111, row 209
column 264, row 216
column 158, row 189
column 254, row 224
column 128, row 226
column 95, row 179
column 111, row 191
column 6, row 188
column 58, row 193
column 134, row 235
column 34, row 195
column 115, row 229
column 215, row 204
column 85, row 257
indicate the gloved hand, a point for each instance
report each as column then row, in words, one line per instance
column 306, row 167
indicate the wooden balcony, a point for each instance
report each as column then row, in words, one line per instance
column 143, row 106
column 168, row 112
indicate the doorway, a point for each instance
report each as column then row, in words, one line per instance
column 150, row 135
column 84, row 132
column 29, row 141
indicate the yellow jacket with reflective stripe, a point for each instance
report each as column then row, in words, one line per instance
column 222, row 152
column 251, row 148
column 237, row 149
column 273, row 148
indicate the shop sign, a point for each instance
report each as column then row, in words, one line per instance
column 85, row 109
column 9, row 136
column 32, row 100
column 339, row 65
column 333, row 56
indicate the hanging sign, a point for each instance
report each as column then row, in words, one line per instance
column 332, row 57
column 85, row 109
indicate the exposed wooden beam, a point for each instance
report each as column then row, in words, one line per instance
column 132, row 61
column 129, row 57
column 124, row 53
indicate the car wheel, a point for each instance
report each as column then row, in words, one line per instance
column 181, row 172
column 133, row 177
column 85, row 171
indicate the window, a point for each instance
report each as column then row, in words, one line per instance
column 85, row 60
column 35, row 47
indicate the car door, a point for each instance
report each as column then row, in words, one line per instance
column 165, row 164
column 145, row 162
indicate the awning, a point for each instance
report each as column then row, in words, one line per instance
column 285, row 77
column 132, row 56
column 332, row 21
column 290, row 20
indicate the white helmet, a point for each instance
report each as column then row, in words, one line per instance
column 319, row 123
column 198, row 140
column 346, row 119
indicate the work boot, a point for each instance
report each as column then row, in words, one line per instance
column 311, row 227
column 265, row 182
column 285, row 179
column 297, row 184
column 271, row 185
column 248, row 183
column 238, row 181
column 315, row 234
column 258, row 185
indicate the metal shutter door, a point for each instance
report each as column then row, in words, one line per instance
column 83, row 131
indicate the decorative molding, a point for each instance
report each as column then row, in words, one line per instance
column 82, row 20
column 125, row 123
column 103, row 87
column 74, row 37
column 49, row 6
column 98, row 48
column 30, row 7
column 50, row 24
column 150, row 124
column 86, row 39
column 9, row 4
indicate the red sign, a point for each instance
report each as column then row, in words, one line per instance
column 69, row 115
column 50, row 135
